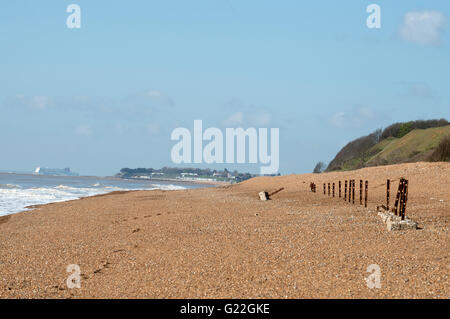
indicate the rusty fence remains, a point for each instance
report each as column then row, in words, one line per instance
column 401, row 199
column 349, row 187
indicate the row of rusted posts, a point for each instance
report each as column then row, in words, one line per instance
column 351, row 186
column 399, row 208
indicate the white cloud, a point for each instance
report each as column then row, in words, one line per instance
column 338, row 119
column 141, row 102
column 83, row 130
column 354, row 118
column 252, row 118
column 235, row 119
column 158, row 97
column 153, row 128
column 261, row 119
column 38, row 102
column 423, row 27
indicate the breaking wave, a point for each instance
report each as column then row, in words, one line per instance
column 15, row 199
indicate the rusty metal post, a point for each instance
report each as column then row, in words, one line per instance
column 353, row 192
column 402, row 198
column 405, row 198
column 366, row 193
column 333, row 189
column 388, row 193
column 397, row 198
column 349, row 190
column 340, row 190
column 360, row 191
column 345, row 191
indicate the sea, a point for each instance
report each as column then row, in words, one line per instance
column 18, row 191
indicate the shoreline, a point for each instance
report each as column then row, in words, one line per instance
column 20, row 202
column 223, row 242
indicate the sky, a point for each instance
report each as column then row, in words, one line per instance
column 108, row 95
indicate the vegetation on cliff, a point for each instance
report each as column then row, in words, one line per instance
column 398, row 143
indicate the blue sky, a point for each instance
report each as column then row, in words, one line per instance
column 108, row 95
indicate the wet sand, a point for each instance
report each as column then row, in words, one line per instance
column 225, row 243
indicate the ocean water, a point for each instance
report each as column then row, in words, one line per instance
column 17, row 191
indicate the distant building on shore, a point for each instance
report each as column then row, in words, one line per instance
column 54, row 171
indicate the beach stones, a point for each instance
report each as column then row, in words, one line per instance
column 394, row 222
column 264, row 196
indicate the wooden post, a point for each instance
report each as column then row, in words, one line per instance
column 345, row 191
column 360, row 191
column 324, row 192
column 277, row 191
column 353, row 192
column 340, row 191
column 329, row 190
column 405, row 198
column 333, row 189
column 388, row 193
column 400, row 208
column 366, row 193
column 397, row 198
column 349, row 190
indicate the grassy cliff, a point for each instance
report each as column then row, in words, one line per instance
column 408, row 144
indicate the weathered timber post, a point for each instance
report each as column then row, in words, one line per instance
column 397, row 198
column 366, row 193
column 329, row 190
column 405, row 198
column 349, row 190
column 353, row 192
column 333, row 189
column 360, row 191
column 340, row 191
column 324, row 192
column 400, row 210
column 388, row 193
column 345, row 191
